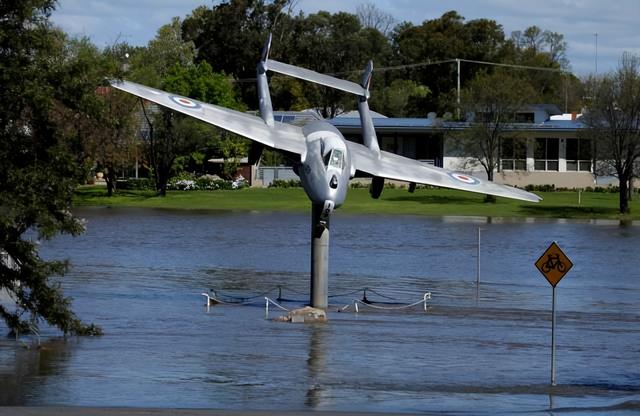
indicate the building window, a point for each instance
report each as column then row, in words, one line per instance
column 388, row 144
column 513, row 154
column 429, row 149
column 546, row 154
column 579, row 155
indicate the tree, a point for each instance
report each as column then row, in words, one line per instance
column 230, row 35
column 172, row 135
column 171, row 139
column 107, row 124
column 114, row 139
column 546, row 50
column 613, row 122
column 493, row 101
column 394, row 99
column 38, row 171
column 151, row 65
column 233, row 148
column 533, row 41
column 444, row 39
column 335, row 44
column 372, row 17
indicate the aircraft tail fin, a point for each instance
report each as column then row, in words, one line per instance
column 369, row 137
column 362, row 91
column 366, row 77
column 266, row 108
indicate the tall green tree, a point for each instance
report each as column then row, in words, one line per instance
column 394, row 100
column 544, row 49
column 230, row 35
column 445, row 38
column 334, row 44
column 38, row 171
column 113, row 143
column 613, row 123
column 106, row 131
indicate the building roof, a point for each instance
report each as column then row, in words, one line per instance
column 550, row 109
column 423, row 125
column 354, row 113
column 350, row 122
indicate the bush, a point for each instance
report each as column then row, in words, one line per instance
column 281, row 183
column 540, row 188
column 190, row 182
column 611, row 189
column 358, row 185
column 211, row 183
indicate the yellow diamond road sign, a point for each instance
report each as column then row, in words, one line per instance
column 554, row 264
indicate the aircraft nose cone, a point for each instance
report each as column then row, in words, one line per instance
column 333, row 183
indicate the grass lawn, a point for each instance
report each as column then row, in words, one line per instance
column 436, row 202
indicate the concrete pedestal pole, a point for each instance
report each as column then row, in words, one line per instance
column 319, row 258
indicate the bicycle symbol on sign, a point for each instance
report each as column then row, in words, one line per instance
column 553, row 263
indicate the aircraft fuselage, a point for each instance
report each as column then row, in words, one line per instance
column 326, row 166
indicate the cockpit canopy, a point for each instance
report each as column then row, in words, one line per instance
column 334, row 159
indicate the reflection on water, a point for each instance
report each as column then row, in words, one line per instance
column 18, row 366
column 139, row 274
column 317, row 363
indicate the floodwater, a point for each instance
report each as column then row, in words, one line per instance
column 140, row 274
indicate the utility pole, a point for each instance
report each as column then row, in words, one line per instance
column 596, row 35
column 458, row 90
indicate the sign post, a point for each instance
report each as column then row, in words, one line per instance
column 478, row 268
column 554, row 265
column 553, row 337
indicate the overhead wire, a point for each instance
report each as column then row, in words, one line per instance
column 430, row 63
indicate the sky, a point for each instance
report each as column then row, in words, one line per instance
column 597, row 32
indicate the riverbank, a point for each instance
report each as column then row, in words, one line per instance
column 431, row 202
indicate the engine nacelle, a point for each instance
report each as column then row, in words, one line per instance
column 377, row 185
column 255, row 152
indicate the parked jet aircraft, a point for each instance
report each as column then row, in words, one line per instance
column 327, row 161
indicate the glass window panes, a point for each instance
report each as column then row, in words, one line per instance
column 546, row 153
column 578, row 154
column 513, row 153
column 336, row 159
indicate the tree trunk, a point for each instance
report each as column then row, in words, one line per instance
column 110, row 179
column 624, row 195
column 490, row 198
column 162, row 180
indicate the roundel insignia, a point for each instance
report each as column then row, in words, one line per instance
column 184, row 102
column 469, row 180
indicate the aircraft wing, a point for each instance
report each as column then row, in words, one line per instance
column 396, row 167
column 281, row 136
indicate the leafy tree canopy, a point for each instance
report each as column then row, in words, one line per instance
column 38, row 172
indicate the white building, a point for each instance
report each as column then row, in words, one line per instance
column 539, row 149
